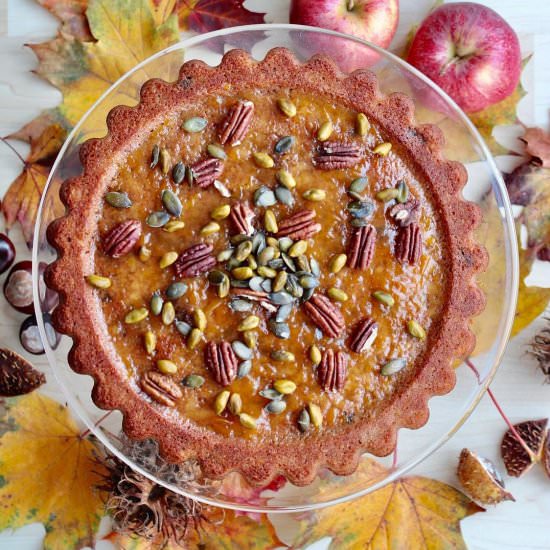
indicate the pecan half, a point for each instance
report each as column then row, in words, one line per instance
column 299, row 226
column 195, row 260
column 361, row 247
column 241, row 217
column 325, row 315
column 161, row 388
column 408, row 244
column 363, row 335
column 331, row 373
column 405, row 214
column 334, row 155
column 122, row 238
column 236, row 123
column 221, row 362
column 206, row 171
column 249, row 294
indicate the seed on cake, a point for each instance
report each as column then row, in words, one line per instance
column 315, row 414
column 362, row 124
column 235, row 404
column 282, row 355
column 308, row 281
column 167, row 259
column 168, row 313
column 402, row 192
column 360, row 208
column 243, row 251
column 315, row 354
column 382, row 149
column 98, row 281
column 136, row 315
column 156, row 303
column 223, row 288
column 199, row 319
column 270, row 221
column 280, row 330
column 241, row 350
column 266, row 272
column 221, row 401
column 216, row 151
column 393, row 366
column 250, row 338
column 304, row 421
column 286, row 179
column 263, row 160
column 224, row 255
column 286, row 107
column 358, row 185
column 284, row 144
column 266, row 255
column 220, row 212
column 280, row 281
column 249, row 323
column 157, row 219
column 166, row 366
column 314, row 195
column 150, row 341
column 242, row 273
column 209, row 229
column 178, row 172
column 387, row 195
column 297, row 249
column 276, row 406
column 337, row 294
column 193, row 381
column 183, row 328
column 284, row 196
column 337, row 263
column 173, row 225
column 383, row 297
column 171, row 203
column 144, row 253
column 416, row 329
column 195, row 336
column 194, row 124
column 117, row 199
column 155, row 156
column 244, row 368
column 221, row 189
column 165, row 161
column 247, row 421
column 325, row 131
column 285, row 387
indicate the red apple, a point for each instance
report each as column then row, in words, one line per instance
column 470, row 52
column 371, row 20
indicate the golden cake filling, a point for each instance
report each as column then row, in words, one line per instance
column 322, row 279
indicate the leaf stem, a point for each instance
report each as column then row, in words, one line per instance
column 15, row 151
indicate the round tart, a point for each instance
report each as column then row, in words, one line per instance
column 267, row 267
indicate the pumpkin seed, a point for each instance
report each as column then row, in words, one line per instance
column 199, row 319
column 222, row 189
column 235, row 404
column 286, row 107
column 247, row 421
column 117, row 199
column 271, row 394
column 249, row 323
column 402, row 192
column 286, row 179
column 157, row 219
column 293, row 286
column 286, row 387
column 307, row 294
column 360, row 209
column 243, row 251
column 195, row 124
column 224, row 255
column 266, row 255
column 270, row 222
column 144, row 253
column 416, row 329
column 193, row 381
column 178, row 172
column 166, row 366
column 359, row 222
column 150, row 342
column 250, row 338
column 315, row 414
column 99, row 281
column 266, row 287
column 171, row 203
column 283, row 356
column 280, row 298
column 241, row 351
column 315, row 267
column 393, row 366
column 314, row 195
column 168, row 259
column 275, row 407
column 263, row 160
column 284, row 144
column 244, row 368
column 297, row 249
column 325, row 131
column 315, row 354
column 280, row 330
column 302, row 264
column 303, row 421
column 176, row 290
column 223, row 288
column 283, row 313
column 337, row 294
column 165, row 161
column 156, row 303
column 285, row 243
column 168, row 313
column 263, row 196
column 382, row 149
column 194, row 338
column 183, row 328
column 280, row 281
column 210, row 228
column 216, row 151
column 255, row 284
column 308, row 281
column 266, row 272
column 238, row 284
column 337, row 263
column 358, row 185
column 284, row 196
column 276, row 263
column 242, row 273
column 216, row 277
column 136, row 316
column 220, row 212
column 221, row 401
column 387, row 194
column 383, row 297
column 238, row 304
column 258, row 242
column 155, row 156
column 362, row 124
column 173, row 225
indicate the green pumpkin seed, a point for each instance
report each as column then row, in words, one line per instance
column 270, row 222
column 155, row 156
column 216, row 151
column 195, row 124
column 263, row 160
column 244, row 369
column 358, row 185
column 240, row 305
column 283, row 356
column 183, row 328
column 156, row 304
column 280, row 281
column 171, row 203
column 247, row 421
column 241, row 350
column 178, row 172
column 193, row 381
column 325, row 131
column 266, row 255
column 337, row 263
column 315, row 415
column 216, row 277
column 284, row 196
column 242, row 273
column 117, row 199
column 283, row 313
column 173, row 226
column 243, row 251
column 166, row 366
column 266, row 272
column 168, row 259
column 223, row 289
column 168, row 313
column 315, row 267
column 176, row 290
column 250, row 338
column 157, row 219
column 315, row 354
column 393, row 366
column 258, row 242
column 199, row 319
column 303, row 421
column 98, row 281
column 297, row 249
column 360, row 209
column 337, row 294
column 285, row 243
column 286, row 107
column 383, row 297
column 165, row 161
column 136, row 316
column 263, row 196
column 275, row 407
column 195, row 336
column 150, row 342
column 387, row 195
column 280, row 298
column 293, row 287
column 221, row 401
column 235, row 404
column 314, row 195
column 308, row 281
column 220, row 212
column 362, row 124
column 144, row 253
column 210, row 228
column 224, row 255
column 271, row 394
column 416, row 329
column 284, row 144
column 286, row 179
column 359, row 222
column 402, row 192
column 280, row 330
column 383, row 149
column 249, row 323
column 286, row 387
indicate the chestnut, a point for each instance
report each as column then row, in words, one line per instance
column 7, row 253
column 29, row 335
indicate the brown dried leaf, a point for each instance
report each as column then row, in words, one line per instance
column 537, row 144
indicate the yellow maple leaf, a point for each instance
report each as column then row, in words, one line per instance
column 49, row 474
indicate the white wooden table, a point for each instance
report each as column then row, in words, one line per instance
column 523, row 525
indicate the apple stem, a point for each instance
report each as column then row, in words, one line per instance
column 350, row 5
column 507, row 421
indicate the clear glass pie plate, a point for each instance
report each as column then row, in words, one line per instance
column 485, row 186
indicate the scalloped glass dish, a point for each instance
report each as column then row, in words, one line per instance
column 496, row 232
